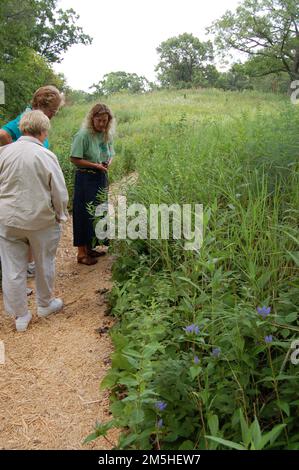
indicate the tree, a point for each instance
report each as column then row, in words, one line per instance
column 77, row 96
column 16, row 22
column 208, row 77
column 267, row 30
column 33, row 35
column 181, row 58
column 55, row 31
column 257, row 68
column 236, row 79
column 114, row 82
column 38, row 25
column 20, row 82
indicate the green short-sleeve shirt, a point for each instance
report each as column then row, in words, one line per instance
column 91, row 147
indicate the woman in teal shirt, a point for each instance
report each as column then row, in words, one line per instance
column 92, row 153
column 48, row 99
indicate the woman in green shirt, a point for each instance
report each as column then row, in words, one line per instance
column 92, row 153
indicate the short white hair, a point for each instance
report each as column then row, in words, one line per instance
column 34, row 123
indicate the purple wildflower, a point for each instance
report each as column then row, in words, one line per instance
column 216, row 352
column 161, row 405
column 268, row 339
column 192, row 329
column 264, row 311
column 189, row 329
column 196, row 360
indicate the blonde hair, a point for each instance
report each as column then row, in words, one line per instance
column 100, row 108
column 47, row 97
column 34, row 123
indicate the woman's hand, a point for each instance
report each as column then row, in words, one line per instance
column 5, row 138
column 101, row 167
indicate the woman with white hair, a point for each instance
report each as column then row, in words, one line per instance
column 33, row 203
column 48, row 99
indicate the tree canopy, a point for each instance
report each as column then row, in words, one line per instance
column 114, row 82
column 182, row 59
column 38, row 25
column 267, row 30
column 33, row 35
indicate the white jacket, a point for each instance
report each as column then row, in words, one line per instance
column 33, row 194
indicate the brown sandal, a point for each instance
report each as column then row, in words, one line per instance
column 86, row 260
column 95, row 254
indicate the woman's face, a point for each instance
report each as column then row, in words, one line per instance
column 100, row 122
column 50, row 112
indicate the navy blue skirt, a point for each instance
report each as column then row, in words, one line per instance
column 87, row 188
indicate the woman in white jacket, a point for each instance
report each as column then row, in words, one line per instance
column 33, row 203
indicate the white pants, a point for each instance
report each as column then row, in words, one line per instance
column 14, row 248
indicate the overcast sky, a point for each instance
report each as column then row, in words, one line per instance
column 126, row 34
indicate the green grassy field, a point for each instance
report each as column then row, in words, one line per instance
column 226, row 381
column 145, row 122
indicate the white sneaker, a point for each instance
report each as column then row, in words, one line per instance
column 23, row 322
column 54, row 307
column 31, row 269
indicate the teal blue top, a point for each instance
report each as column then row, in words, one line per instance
column 12, row 128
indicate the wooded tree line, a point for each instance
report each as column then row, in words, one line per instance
column 35, row 33
column 265, row 32
column 33, row 36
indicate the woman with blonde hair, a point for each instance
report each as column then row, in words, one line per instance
column 92, row 153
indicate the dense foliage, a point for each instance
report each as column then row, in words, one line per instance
column 33, row 35
column 265, row 30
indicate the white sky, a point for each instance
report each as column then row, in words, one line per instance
column 126, row 34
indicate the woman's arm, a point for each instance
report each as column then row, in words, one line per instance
column 80, row 162
column 5, row 138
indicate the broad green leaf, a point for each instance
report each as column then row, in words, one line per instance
column 132, row 353
column 92, row 437
column 291, row 317
column 119, row 361
column 195, row 371
column 187, row 445
column 244, row 429
column 224, row 442
column 128, row 381
column 284, row 406
column 125, row 441
column 136, row 417
column 151, row 349
column 256, row 434
column 109, row 380
column 101, row 430
column 272, row 435
column 213, row 423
